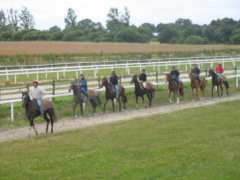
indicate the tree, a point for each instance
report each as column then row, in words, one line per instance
column 71, row 19
column 26, row 19
column 13, row 20
column 125, row 17
column 3, row 19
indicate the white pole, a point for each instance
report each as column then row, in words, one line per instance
column 12, row 112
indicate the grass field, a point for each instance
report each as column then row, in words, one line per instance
column 52, row 52
column 36, row 48
column 201, row 143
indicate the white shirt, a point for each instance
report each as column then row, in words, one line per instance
column 37, row 93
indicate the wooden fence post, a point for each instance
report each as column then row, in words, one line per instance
column 53, row 87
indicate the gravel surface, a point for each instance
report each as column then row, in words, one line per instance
column 71, row 124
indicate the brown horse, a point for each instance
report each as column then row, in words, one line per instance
column 81, row 99
column 196, row 85
column 219, row 83
column 140, row 90
column 110, row 94
column 174, row 89
column 32, row 111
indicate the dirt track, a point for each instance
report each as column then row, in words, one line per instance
column 71, row 124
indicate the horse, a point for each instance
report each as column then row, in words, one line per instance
column 80, row 99
column 174, row 89
column 196, row 85
column 219, row 83
column 110, row 94
column 32, row 111
column 140, row 91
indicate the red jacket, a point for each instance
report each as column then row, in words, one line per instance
column 219, row 69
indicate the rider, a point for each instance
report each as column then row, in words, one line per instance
column 219, row 71
column 114, row 81
column 143, row 77
column 83, row 85
column 196, row 72
column 37, row 94
column 175, row 74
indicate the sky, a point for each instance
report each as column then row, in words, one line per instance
column 48, row 13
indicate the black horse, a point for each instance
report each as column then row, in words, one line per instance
column 80, row 99
column 110, row 94
column 219, row 83
column 140, row 91
column 32, row 111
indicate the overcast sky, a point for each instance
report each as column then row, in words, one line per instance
column 52, row 12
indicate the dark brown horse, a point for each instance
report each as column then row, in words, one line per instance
column 140, row 90
column 174, row 89
column 219, row 83
column 80, row 99
column 110, row 94
column 32, row 111
column 197, row 84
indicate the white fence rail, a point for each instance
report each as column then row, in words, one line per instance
column 15, row 71
column 127, row 65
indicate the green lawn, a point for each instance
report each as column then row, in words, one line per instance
column 201, row 143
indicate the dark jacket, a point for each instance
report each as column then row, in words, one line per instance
column 114, row 80
column 175, row 74
column 143, row 77
column 196, row 71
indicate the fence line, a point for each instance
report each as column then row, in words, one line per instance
column 229, row 74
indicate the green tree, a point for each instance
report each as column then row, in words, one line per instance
column 3, row 19
column 26, row 19
column 71, row 19
column 13, row 19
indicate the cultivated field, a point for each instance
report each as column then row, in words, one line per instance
column 191, row 144
column 37, row 48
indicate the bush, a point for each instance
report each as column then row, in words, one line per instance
column 196, row 40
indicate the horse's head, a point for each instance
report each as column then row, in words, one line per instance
column 168, row 77
column 104, row 82
column 211, row 72
column 134, row 79
column 25, row 97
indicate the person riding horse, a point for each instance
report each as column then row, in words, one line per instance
column 143, row 78
column 219, row 71
column 175, row 75
column 114, row 81
column 196, row 72
column 83, row 86
column 36, row 94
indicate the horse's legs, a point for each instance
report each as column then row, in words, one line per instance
column 35, row 130
column 136, row 97
column 81, row 108
column 104, row 106
column 74, row 109
column 119, row 104
column 47, row 121
column 169, row 96
column 221, row 87
column 218, row 91
column 212, row 89
column 113, row 105
column 52, row 121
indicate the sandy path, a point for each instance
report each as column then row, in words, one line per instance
column 71, row 124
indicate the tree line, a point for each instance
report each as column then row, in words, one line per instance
column 18, row 25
